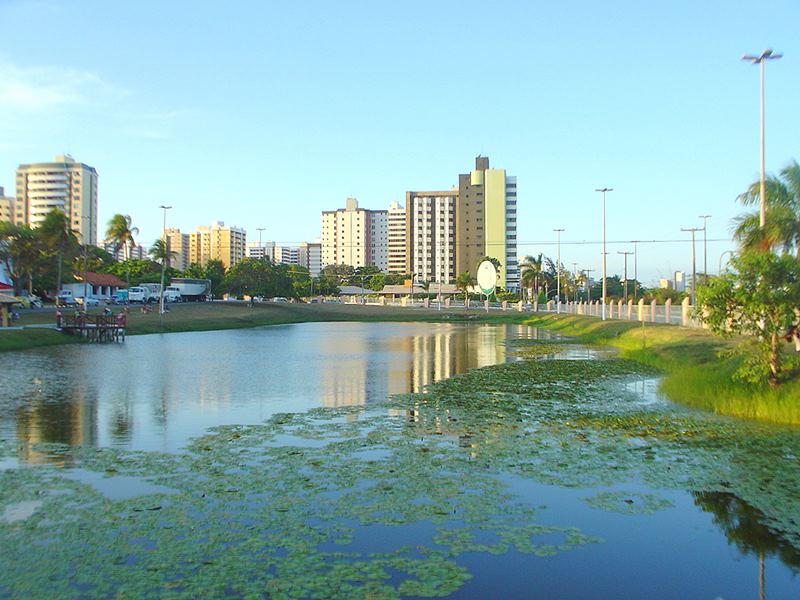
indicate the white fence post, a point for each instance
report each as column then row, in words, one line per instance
column 685, row 312
column 630, row 309
column 653, row 311
column 640, row 312
column 519, row 306
column 667, row 310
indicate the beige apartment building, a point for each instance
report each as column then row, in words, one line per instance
column 178, row 243
column 355, row 236
column 218, row 242
column 10, row 209
column 64, row 184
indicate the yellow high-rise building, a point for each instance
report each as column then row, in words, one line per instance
column 218, row 242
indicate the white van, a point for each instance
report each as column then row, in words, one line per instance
column 172, row 294
column 138, row 294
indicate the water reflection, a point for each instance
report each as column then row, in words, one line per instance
column 156, row 392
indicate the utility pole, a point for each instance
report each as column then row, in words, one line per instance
column 625, row 293
column 604, row 191
column 259, row 230
column 694, row 267
column 558, row 271
column 766, row 55
column 635, row 268
column 705, row 247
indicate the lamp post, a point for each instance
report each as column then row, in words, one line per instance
column 85, row 264
column 163, row 263
column 625, row 291
column 694, row 268
column 705, row 247
column 604, row 191
column 259, row 230
column 558, row 271
column 731, row 252
column 762, row 58
column 635, row 267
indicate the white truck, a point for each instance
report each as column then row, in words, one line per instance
column 191, row 290
column 138, row 293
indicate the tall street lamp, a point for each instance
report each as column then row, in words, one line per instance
column 588, row 284
column 575, row 278
column 259, row 230
column 705, row 247
column 762, row 58
column 163, row 263
column 694, row 268
column 625, row 292
column 635, row 267
column 604, row 191
column 558, row 271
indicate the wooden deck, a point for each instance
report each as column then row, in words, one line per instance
column 95, row 328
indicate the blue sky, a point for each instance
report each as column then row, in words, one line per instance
column 263, row 114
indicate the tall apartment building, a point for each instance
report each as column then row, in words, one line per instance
column 226, row 244
column 65, row 184
column 355, row 236
column 10, row 209
column 311, row 257
column 486, row 221
column 430, row 228
column 178, row 243
column 396, row 239
column 448, row 232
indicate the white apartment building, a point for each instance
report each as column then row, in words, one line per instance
column 430, row 226
column 396, row 238
column 65, row 184
column 260, row 250
column 355, row 236
column 311, row 257
column 286, row 255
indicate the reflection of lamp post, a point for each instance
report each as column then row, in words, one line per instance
column 766, row 55
column 558, row 270
column 163, row 263
column 604, row 190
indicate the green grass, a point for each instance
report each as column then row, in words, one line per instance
column 695, row 374
column 23, row 339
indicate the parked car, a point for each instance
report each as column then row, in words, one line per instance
column 65, row 298
column 87, row 302
column 279, row 299
column 29, row 301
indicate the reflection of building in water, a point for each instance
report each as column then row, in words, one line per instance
column 72, row 422
column 344, row 382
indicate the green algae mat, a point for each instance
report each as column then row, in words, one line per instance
column 401, row 499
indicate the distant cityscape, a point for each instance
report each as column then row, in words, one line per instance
column 435, row 236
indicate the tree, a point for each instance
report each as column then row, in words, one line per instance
column 20, row 249
column 759, row 298
column 120, row 234
column 58, row 239
column 531, row 270
column 463, row 282
column 214, row 271
column 161, row 253
column 782, row 230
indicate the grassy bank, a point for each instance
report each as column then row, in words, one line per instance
column 208, row 316
column 695, row 375
column 23, row 339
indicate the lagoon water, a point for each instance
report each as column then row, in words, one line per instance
column 158, row 393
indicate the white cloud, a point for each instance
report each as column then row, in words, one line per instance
column 43, row 89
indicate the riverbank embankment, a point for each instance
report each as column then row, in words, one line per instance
column 696, row 374
column 210, row 316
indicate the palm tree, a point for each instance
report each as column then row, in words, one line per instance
column 782, row 230
column 120, row 234
column 463, row 282
column 531, row 269
column 159, row 252
column 58, row 238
